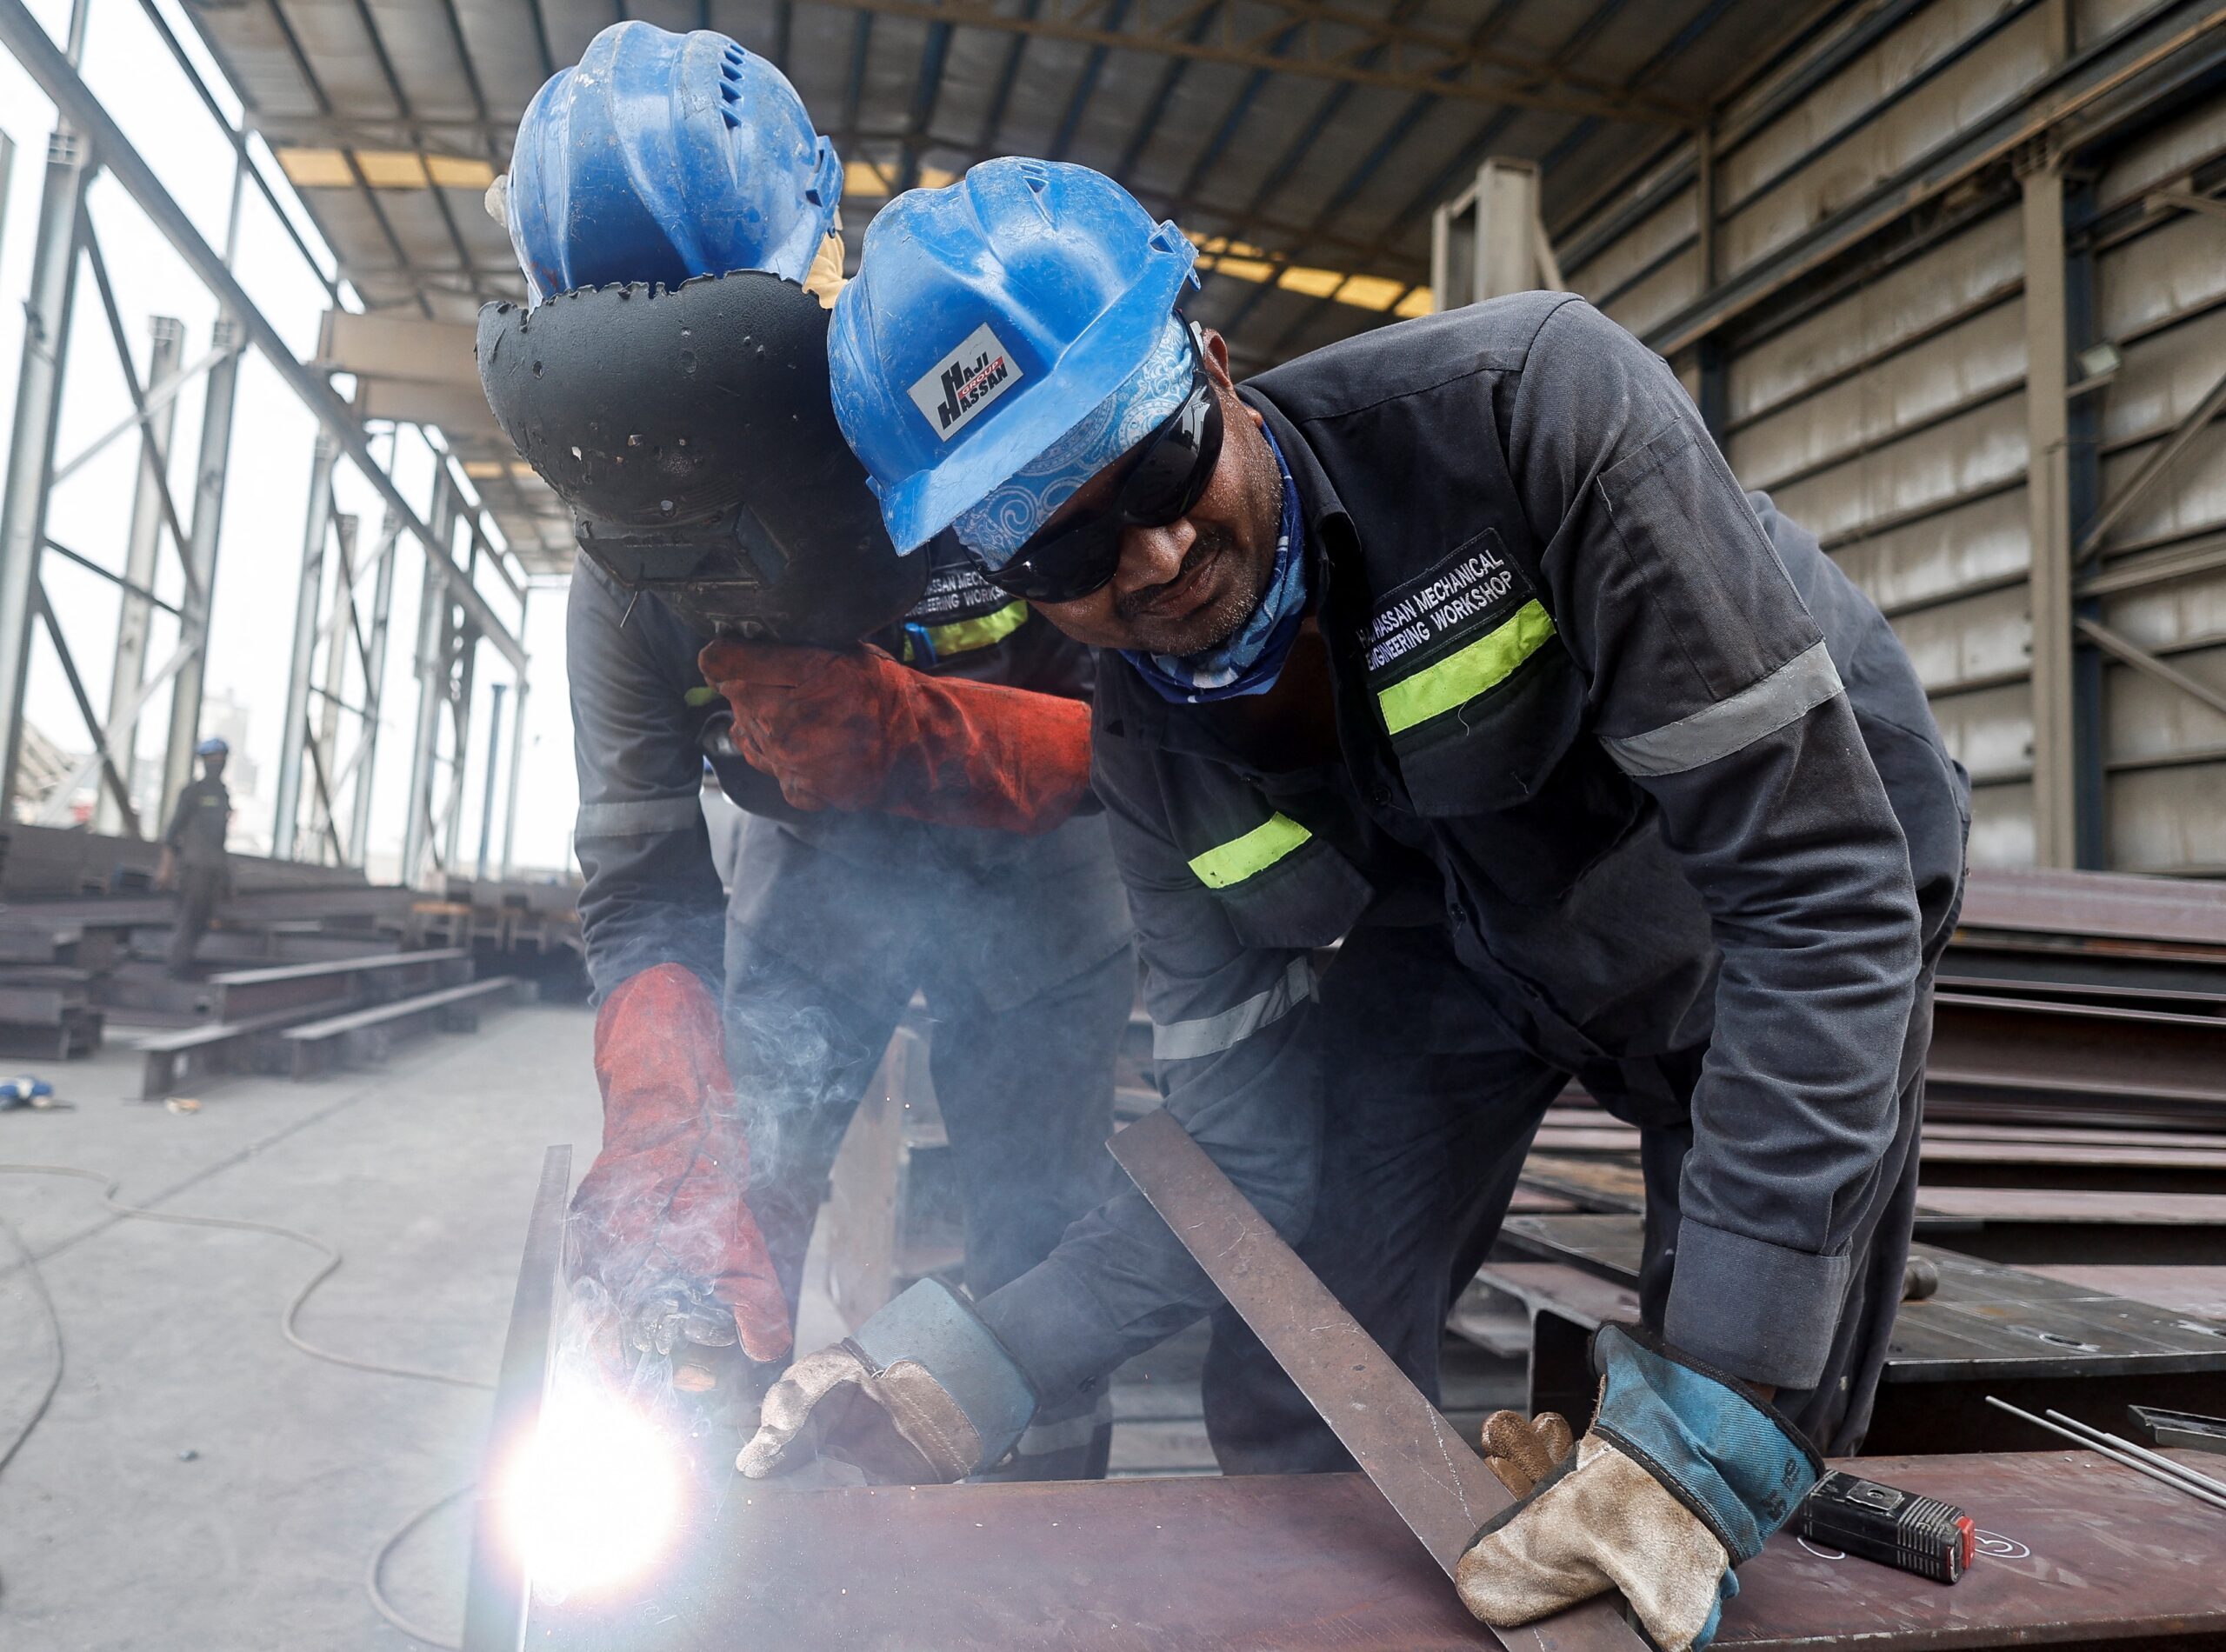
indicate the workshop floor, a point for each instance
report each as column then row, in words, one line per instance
column 197, row 1482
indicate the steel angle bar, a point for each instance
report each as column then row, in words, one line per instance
column 102, row 758
column 21, row 33
column 159, row 396
column 1415, row 1457
column 496, row 1592
column 2137, row 486
column 111, row 575
column 2141, row 659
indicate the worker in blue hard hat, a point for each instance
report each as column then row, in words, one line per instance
column 192, row 864
column 684, row 418
column 1456, row 645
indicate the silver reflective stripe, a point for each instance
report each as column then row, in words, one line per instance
column 1796, row 688
column 639, row 819
column 1210, row 1034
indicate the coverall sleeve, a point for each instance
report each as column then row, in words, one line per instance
column 1710, row 687
column 1233, row 1040
column 651, row 894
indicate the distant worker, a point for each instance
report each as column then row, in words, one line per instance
column 1457, row 643
column 686, row 423
column 193, row 861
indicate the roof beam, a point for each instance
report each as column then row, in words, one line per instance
column 1334, row 40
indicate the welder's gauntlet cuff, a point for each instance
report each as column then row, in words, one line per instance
column 1682, row 1477
column 923, row 1392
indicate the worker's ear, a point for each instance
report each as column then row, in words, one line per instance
column 1216, row 358
column 1217, row 371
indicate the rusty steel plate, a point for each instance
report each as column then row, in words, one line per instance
column 2071, row 1549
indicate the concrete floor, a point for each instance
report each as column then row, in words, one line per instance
column 421, row 1174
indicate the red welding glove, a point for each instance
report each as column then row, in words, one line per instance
column 856, row 730
column 661, row 1213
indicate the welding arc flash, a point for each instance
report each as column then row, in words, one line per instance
column 594, row 1499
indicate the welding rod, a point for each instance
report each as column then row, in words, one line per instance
column 2132, row 1463
column 2194, row 1477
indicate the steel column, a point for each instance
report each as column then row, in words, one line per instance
column 517, row 754
column 7, row 171
column 307, row 597
column 432, row 675
column 39, row 402
column 22, row 35
column 136, row 614
column 487, row 798
column 343, row 629
column 359, row 828
column 210, row 468
column 2048, row 496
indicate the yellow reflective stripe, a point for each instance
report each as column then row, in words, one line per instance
column 1258, row 850
column 704, row 695
column 960, row 635
column 1461, row 676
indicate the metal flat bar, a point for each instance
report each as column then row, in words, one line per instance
column 1415, row 1458
column 496, row 1593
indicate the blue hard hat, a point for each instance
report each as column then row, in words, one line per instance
column 661, row 156
column 215, row 746
column 986, row 320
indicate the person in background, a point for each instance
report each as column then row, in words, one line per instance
column 193, row 852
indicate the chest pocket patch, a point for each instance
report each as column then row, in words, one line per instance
column 1468, row 681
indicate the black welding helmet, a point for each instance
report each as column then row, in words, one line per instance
column 690, row 432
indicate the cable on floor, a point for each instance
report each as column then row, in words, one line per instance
column 385, row 1607
column 54, row 1328
column 379, row 1602
column 286, row 1325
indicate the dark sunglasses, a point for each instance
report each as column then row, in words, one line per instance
column 1168, row 477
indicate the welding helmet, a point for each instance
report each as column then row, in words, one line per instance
column 988, row 320
column 689, row 431
column 661, row 156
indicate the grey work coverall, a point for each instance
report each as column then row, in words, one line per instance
column 1635, row 788
column 1020, row 944
column 197, row 837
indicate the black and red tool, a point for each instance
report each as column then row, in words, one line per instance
column 1898, row 1529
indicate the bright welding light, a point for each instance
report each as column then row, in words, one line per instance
column 595, row 1497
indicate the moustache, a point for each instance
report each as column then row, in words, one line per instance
column 1209, row 543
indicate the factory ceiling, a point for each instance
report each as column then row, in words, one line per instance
column 1302, row 145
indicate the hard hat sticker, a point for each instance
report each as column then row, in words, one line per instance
column 964, row 382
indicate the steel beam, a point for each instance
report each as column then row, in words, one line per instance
column 47, row 309
column 295, row 731
column 2048, row 497
column 342, row 629
column 210, row 470
column 1335, row 42
column 21, row 33
column 487, row 798
column 2173, row 46
column 432, row 673
column 517, row 758
column 135, row 613
column 359, row 827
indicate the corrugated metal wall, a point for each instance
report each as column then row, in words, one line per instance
column 1886, row 409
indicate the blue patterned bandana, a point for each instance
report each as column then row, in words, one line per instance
column 1250, row 661
column 1001, row 524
